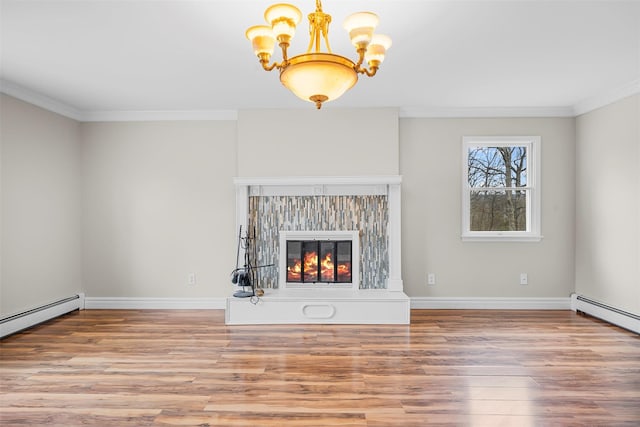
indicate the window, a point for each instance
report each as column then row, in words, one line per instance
column 501, row 188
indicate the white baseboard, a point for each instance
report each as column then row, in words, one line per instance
column 467, row 303
column 607, row 313
column 154, row 303
column 453, row 303
column 18, row 322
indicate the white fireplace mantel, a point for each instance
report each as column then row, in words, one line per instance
column 362, row 305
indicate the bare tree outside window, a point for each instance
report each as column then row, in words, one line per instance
column 497, row 178
column 501, row 188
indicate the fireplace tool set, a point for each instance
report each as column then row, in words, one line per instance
column 246, row 276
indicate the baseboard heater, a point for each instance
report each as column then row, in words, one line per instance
column 605, row 312
column 17, row 322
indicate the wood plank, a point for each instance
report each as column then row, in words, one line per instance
column 448, row 367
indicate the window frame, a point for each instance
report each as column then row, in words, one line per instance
column 532, row 234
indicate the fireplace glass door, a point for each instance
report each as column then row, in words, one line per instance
column 319, row 261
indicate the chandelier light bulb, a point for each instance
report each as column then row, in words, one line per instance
column 262, row 39
column 283, row 18
column 360, row 27
column 377, row 49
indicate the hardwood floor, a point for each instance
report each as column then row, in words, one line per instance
column 179, row 368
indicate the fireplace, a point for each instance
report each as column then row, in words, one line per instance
column 319, row 259
column 354, row 220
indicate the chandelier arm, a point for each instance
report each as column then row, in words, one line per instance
column 372, row 72
column 311, row 40
column 284, row 46
column 361, row 51
column 269, row 67
column 264, row 61
column 369, row 72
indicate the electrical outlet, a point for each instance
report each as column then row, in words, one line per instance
column 431, row 279
column 524, row 279
column 191, row 279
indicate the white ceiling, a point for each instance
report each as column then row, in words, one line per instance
column 99, row 55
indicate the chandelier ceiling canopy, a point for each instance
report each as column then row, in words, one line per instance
column 318, row 76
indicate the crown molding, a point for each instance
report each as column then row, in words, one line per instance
column 486, row 112
column 155, row 116
column 606, row 98
column 39, row 100
column 66, row 110
column 55, row 106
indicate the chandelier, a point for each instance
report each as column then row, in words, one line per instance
column 318, row 76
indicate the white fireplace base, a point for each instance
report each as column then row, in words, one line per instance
column 305, row 306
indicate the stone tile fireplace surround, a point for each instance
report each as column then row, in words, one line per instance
column 367, row 206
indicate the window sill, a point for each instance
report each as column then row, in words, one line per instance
column 501, row 238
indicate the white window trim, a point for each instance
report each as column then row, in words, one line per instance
column 533, row 185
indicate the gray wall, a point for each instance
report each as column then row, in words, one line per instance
column 158, row 201
column 431, row 166
column 134, row 227
column 608, row 205
column 308, row 142
column 40, row 192
column 158, row 205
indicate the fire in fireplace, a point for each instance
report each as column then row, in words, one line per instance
column 319, row 261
